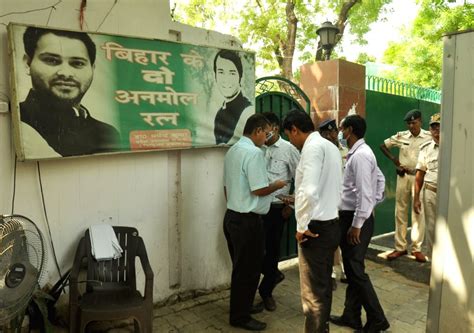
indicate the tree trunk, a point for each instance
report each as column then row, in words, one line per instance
column 285, row 48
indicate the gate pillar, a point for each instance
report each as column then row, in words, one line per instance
column 333, row 86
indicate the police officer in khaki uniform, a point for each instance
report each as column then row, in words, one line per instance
column 409, row 143
column 426, row 178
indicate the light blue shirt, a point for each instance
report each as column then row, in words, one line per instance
column 244, row 172
column 364, row 184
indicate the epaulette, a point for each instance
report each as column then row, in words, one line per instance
column 426, row 132
column 402, row 133
column 426, row 144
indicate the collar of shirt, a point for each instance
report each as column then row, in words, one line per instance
column 246, row 140
column 423, row 133
column 311, row 137
column 356, row 145
column 277, row 144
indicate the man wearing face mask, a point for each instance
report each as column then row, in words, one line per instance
column 362, row 188
column 247, row 192
column 61, row 66
column 282, row 159
column 409, row 143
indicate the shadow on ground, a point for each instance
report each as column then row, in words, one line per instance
column 406, row 265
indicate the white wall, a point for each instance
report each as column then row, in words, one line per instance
column 174, row 198
column 451, row 303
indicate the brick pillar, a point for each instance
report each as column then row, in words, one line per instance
column 333, row 86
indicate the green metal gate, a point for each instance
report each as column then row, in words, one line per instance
column 384, row 115
column 279, row 95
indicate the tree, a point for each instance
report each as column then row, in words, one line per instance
column 363, row 58
column 278, row 28
column 419, row 55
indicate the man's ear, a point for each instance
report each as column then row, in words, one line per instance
column 350, row 130
column 27, row 62
column 294, row 129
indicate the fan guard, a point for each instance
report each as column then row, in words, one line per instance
column 22, row 259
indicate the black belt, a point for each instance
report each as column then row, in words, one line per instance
column 278, row 204
column 243, row 214
column 323, row 223
column 346, row 211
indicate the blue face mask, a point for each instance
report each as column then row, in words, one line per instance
column 342, row 141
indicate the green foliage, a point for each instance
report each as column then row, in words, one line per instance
column 363, row 58
column 262, row 25
column 418, row 56
column 362, row 15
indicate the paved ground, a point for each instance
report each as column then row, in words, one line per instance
column 401, row 285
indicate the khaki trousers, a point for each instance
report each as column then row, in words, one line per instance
column 430, row 207
column 403, row 205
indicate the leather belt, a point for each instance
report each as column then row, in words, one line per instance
column 431, row 188
column 278, row 204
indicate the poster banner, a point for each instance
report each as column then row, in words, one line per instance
column 77, row 93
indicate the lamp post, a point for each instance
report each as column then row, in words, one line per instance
column 327, row 34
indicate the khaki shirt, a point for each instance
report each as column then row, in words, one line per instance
column 409, row 146
column 428, row 162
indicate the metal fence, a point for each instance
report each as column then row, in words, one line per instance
column 393, row 87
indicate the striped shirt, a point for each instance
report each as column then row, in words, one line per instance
column 282, row 159
column 364, row 184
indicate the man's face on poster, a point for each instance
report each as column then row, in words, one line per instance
column 227, row 78
column 60, row 68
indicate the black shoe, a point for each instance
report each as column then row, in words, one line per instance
column 256, row 308
column 280, row 277
column 341, row 321
column 269, row 303
column 344, row 280
column 376, row 327
column 334, row 284
column 251, row 325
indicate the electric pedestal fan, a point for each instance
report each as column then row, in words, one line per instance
column 22, row 260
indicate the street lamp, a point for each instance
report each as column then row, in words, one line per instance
column 327, row 34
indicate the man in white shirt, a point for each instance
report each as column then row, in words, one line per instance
column 362, row 189
column 282, row 159
column 247, row 190
column 317, row 194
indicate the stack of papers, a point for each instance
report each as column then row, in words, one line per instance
column 104, row 243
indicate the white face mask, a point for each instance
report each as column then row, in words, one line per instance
column 340, row 138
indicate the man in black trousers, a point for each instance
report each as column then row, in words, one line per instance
column 247, row 190
column 362, row 188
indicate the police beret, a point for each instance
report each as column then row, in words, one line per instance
column 412, row 115
column 328, row 125
column 435, row 119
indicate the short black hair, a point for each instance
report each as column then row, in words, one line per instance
column 231, row 56
column 357, row 123
column 272, row 118
column 33, row 34
column 300, row 119
column 254, row 122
